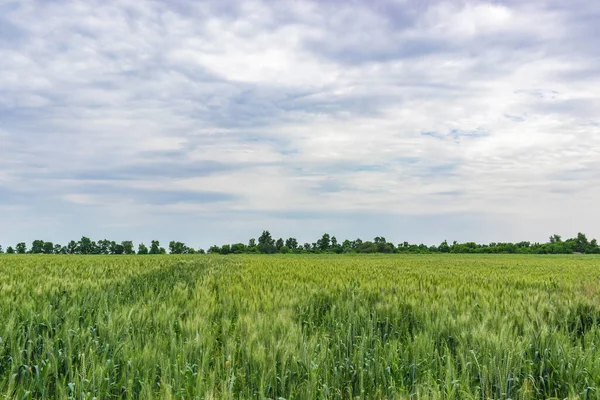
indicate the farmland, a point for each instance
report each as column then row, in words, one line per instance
column 300, row 326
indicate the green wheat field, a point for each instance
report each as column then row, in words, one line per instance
column 300, row 327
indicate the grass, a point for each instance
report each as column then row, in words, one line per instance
column 300, row 327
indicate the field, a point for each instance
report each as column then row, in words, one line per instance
column 300, row 327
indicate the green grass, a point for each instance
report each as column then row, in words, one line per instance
column 300, row 327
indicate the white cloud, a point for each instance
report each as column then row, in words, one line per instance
column 400, row 108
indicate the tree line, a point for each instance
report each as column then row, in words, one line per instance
column 266, row 244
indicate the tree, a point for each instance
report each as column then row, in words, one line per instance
column 127, row 247
column 292, row 244
column 225, row 249
column 10, row 250
column 307, row 246
column 284, row 249
column 1, row 251
column 266, row 244
column 21, row 248
column 334, row 241
column 593, row 248
column 581, row 243
column 142, row 249
column 37, row 247
column 48, row 248
column 86, row 246
column 201, row 251
column 279, row 244
column 103, row 246
column 58, row 249
column 444, row 247
column 324, row 243
column 238, row 248
column 555, row 239
column 177, row 247
column 214, row 249
column 155, row 247
column 117, row 248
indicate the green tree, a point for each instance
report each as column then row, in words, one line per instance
column 10, row 250
column 324, row 243
column 48, row 248
column 117, row 248
column 142, row 249
column 238, row 248
column 266, row 244
column 177, row 247
column 21, row 248
column 58, row 249
column 225, row 249
column 1, row 250
column 37, row 247
column 444, row 247
column 279, row 244
column 155, row 247
column 581, row 243
column 127, row 247
column 555, row 239
column 214, row 249
column 103, row 246
column 86, row 245
column 292, row 244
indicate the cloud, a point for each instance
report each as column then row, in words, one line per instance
column 150, row 119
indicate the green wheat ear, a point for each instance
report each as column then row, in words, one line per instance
column 296, row 327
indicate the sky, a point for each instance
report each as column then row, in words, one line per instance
column 210, row 121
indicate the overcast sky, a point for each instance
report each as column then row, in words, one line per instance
column 209, row 121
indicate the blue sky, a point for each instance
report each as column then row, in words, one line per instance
column 209, row 121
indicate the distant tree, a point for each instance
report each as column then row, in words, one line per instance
column 103, row 246
column 307, row 246
column 593, row 248
column 266, row 244
column 279, row 244
column 225, row 249
column 324, row 243
column 58, row 249
column 581, row 243
column 214, row 249
column 347, row 246
column 334, row 241
column 113, row 248
column 444, row 247
column 21, row 248
column 292, row 244
column 201, row 251
column 366, row 247
column 127, row 247
column 48, row 248
column 238, row 248
column 284, row 250
column 86, row 245
column 10, row 250
column 155, row 247
column 142, row 249
column 555, row 239
column 177, row 247
column 1, row 251
column 37, row 247
column 117, row 248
